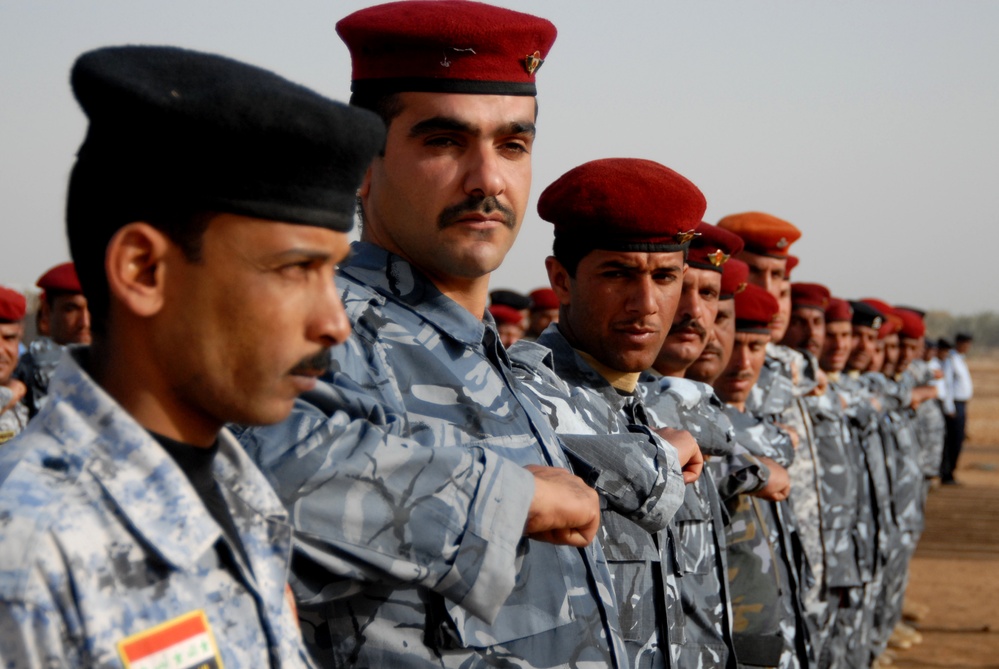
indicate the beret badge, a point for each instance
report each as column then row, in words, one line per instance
column 782, row 243
column 742, row 287
column 685, row 237
column 877, row 323
column 533, row 61
column 718, row 258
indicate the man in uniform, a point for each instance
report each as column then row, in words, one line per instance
column 763, row 574
column 133, row 526
column 955, row 405
column 693, row 406
column 544, row 311
column 417, row 556
column 13, row 412
column 63, row 319
column 621, row 229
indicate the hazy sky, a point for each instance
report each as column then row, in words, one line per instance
column 874, row 127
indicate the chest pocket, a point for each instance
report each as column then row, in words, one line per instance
column 634, row 563
column 539, row 602
column 693, row 531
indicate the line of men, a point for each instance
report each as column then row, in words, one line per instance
column 654, row 482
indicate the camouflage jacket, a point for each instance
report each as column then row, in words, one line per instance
column 783, row 394
column 35, row 369
column 930, row 424
column 763, row 558
column 105, row 543
column 841, row 489
column 641, row 555
column 864, row 421
column 707, row 604
column 898, row 428
column 404, row 474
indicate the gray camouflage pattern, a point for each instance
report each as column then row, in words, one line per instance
column 700, row 526
column 643, row 559
column 404, row 475
column 763, row 563
column 35, row 369
column 102, row 537
column 12, row 420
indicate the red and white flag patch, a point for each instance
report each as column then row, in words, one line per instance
column 186, row 642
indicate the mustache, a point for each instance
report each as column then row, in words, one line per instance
column 712, row 347
column 689, row 323
column 316, row 364
column 475, row 205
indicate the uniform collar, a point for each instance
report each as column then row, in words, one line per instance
column 396, row 279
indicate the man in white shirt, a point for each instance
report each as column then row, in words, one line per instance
column 959, row 392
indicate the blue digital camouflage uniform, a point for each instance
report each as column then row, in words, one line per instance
column 35, row 369
column 707, row 605
column 103, row 538
column 782, row 393
column 405, row 481
column 641, row 555
column 763, row 561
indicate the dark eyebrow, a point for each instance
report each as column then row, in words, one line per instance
column 446, row 123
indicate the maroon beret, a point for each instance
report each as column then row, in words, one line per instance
column 763, row 234
column 624, row 204
column 61, row 278
column 755, row 308
column 792, row 262
column 880, row 305
column 544, row 298
column 12, row 305
column 889, row 326
column 712, row 247
column 735, row 275
column 445, row 46
column 913, row 326
column 505, row 314
column 813, row 295
column 838, row 311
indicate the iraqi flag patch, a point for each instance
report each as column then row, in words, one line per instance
column 186, row 642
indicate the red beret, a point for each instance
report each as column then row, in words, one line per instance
column 735, row 274
column 60, row 278
column 889, row 326
column 544, row 298
column 505, row 314
column 755, row 308
column 792, row 262
column 712, row 247
column 838, row 311
column 880, row 305
column 812, row 295
column 913, row 326
column 12, row 305
column 763, row 234
column 445, row 46
column 624, row 204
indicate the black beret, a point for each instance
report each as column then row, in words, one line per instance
column 510, row 298
column 200, row 132
column 864, row 315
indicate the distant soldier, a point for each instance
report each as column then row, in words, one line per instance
column 207, row 210
column 509, row 323
column 693, row 406
column 955, row 405
column 763, row 572
column 13, row 411
column 63, row 319
column 516, row 301
column 544, row 311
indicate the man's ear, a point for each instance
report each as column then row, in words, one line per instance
column 134, row 263
column 559, row 279
column 44, row 317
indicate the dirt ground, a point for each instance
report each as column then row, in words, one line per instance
column 956, row 567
